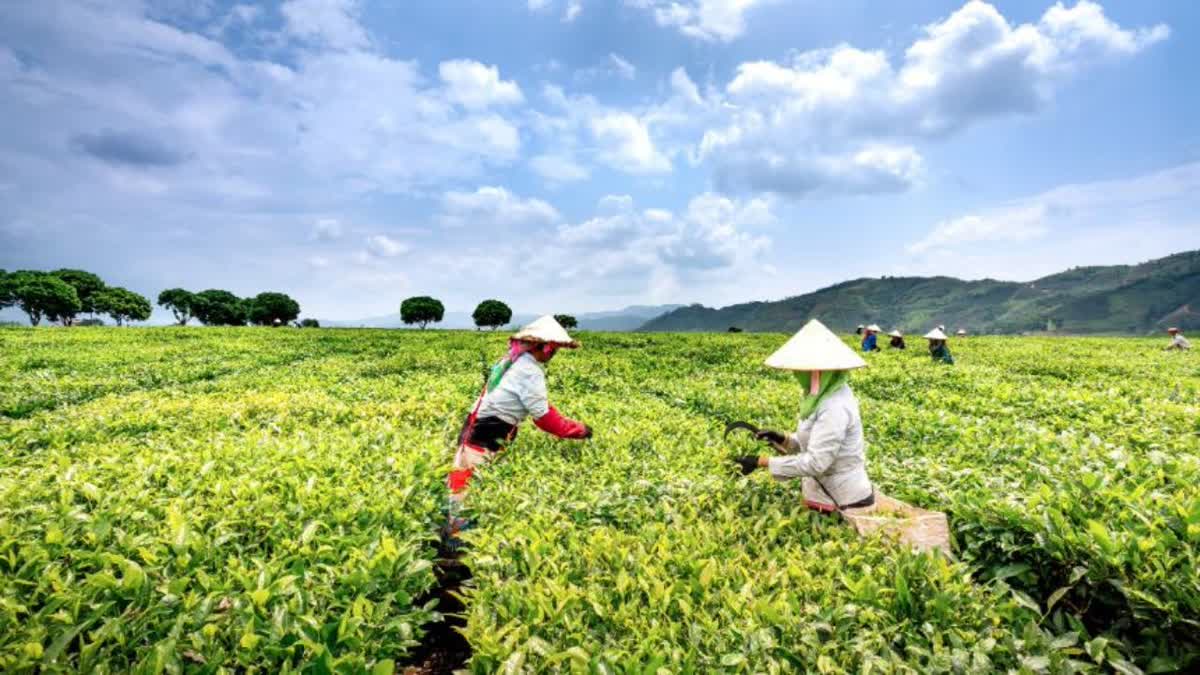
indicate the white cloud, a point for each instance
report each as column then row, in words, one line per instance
column 1063, row 223
column 571, row 8
column 491, row 206
column 327, row 229
column 624, row 143
column 710, row 20
column 843, row 119
column 318, row 262
column 683, row 86
column 384, row 246
column 475, row 85
column 621, row 247
column 558, row 168
column 622, row 67
column 330, row 23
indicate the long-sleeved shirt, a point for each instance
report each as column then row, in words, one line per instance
column 942, row 354
column 1180, row 342
column 829, row 446
column 868, row 343
column 520, row 394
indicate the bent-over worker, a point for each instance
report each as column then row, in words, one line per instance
column 870, row 340
column 939, row 351
column 827, row 449
column 1177, row 340
column 897, row 341
column 515, row 390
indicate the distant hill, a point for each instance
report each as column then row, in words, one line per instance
column 1126, row 299
column 628, row 319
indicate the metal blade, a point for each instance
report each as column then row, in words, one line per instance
column 740, row 425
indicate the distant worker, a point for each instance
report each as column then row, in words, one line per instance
column 962, row 332
column 276, row 323
column 897, row 341
column 1177, row 340
column 870, row 340
column 938, row 349
column 827, row 450
column 515, row 389
column 859, row 330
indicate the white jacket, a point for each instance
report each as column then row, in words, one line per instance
column 520, row 394
column 830, row 447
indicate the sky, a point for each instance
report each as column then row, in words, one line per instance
column 581, row 155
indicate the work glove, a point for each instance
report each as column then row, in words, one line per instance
column 771, row 437
column 747, row 464
column 563, row 427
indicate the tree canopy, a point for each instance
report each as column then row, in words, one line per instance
column 492, row 314
column 7, row 298
column 566, row 321
column 122, row 305
column 266, row 308
column 86, row 286
column 310, row 323
column 422, row 310
column 43, row 296
column 215, row 307
column 180, row 302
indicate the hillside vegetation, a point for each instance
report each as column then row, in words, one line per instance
column 1119, row 299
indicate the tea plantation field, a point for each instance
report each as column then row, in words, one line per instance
column 258, row 500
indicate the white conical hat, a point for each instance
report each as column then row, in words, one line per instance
column 815, row 348
column 896, row 333
column 874, row 328
column 936, row 334
column 546, row 329
column 961, row 331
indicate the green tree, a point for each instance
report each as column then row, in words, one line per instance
column 215, row 307
column 180, row 302
column 43, row 296
column 123, row 305
column 492, row 314
column 566, row 321
column 422, row 310
column 266, row 308
column 310, row 323
column 7, row 299
column 86, row 286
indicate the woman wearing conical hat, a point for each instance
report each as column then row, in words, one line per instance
column 871, row 339
column 897, row 339
column 938, row 349
column 515, row 390
column 827, row 450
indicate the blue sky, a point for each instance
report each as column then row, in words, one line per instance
column 575, row 155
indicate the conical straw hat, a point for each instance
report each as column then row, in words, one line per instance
column 546, row 329
column 896, row 333
column 961, row 331
column 936, row 334
column 815, row 348
column 874, row 328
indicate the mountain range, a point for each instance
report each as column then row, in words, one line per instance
column 1117, row 299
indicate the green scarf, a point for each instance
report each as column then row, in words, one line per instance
column 831, row 381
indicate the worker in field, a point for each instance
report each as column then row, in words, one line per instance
column 827, row 449
column 515, row 390
column 870, row 341
column 938, row 349
column 897, row 340
column 962, row 332
column 1177, row 340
